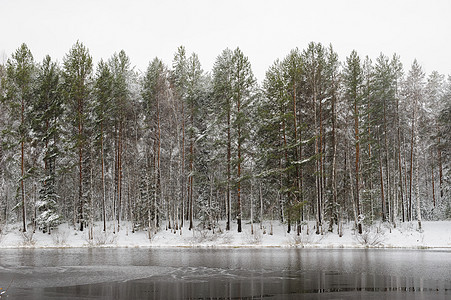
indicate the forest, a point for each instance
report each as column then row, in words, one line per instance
column 319, row 139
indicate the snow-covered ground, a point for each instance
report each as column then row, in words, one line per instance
column 406, row 235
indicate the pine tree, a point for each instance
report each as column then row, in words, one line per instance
column 19, row 91
column 193, row 96
column 273, row 148
column 353, row 85
column 77, row 87
column 414, row 86
column 103, row 91
column 222, row 92
column 47, row 113
column 153, row 91
column 292, row 76
column 314, row 58
column 242, row 87
column 121, row 76
column 179, row 78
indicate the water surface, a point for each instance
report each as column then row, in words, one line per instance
column 225, row 274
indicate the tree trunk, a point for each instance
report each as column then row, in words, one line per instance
column 412, row 147
column 334, row 215
column 239, row 168
column 119, row 175
column 229, row 155
column 80, row 164
column 432, row 178
column 22, row 172
column 317, row 171
column 191, row 168
column 296, row 179
column 387, row 167
column 288, row 204
column 440, row 169
column 401, row 194
column 383, row 208
column 183, row 166
column 357, row 166
column 103, row 177
column 417, row 190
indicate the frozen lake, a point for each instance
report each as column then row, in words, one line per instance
column 138, row 273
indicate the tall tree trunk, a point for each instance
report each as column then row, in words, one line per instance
column 417, row 190
column 191, row 169
column 357, row 165
column 412, row 148
column 387, row 167
column 229, row 155
column 370, row 175
column 321, row 161
column 296, row 179
column 395, row 192
column 80, row 164
column 301, row 175
column 440, row 169
column 22, row 170
column 261, row 205
column 183, row 166
column 158, row 187
column 119, row 175
column 381, row 175
column 334, row 215
column 432, row 178
column 285, row 146
column 401, row 194
column 103, row 177
column 317, row 171
column 239, row 167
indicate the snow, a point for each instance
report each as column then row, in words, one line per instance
column 435, row 234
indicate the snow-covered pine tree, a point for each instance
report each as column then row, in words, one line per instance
column 414, row 93
column 18, row 89
column 103, row 91
column 46, row 123
column 243, row 88
column 77, row 80
column 353, row 91
column 222, row 73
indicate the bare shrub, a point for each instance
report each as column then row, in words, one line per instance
column 104, row 237
column 100, row 237
column 59, row 236
column 28, row 238
column 2, row 231
column 203, row 235
column 304, row 239
column 255, row 238
column 370, row 238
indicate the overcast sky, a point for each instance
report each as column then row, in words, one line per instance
column 264, row 30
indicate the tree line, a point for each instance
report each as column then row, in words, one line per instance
column 319, row 140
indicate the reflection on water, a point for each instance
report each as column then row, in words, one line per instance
column 226, row 274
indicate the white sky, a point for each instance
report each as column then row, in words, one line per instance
column 264, row 30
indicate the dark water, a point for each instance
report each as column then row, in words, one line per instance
column 225, row 274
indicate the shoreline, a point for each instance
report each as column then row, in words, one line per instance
column 434, row 235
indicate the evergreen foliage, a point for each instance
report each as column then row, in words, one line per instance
column 319, row 139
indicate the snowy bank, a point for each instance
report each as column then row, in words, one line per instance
column 272, row 234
